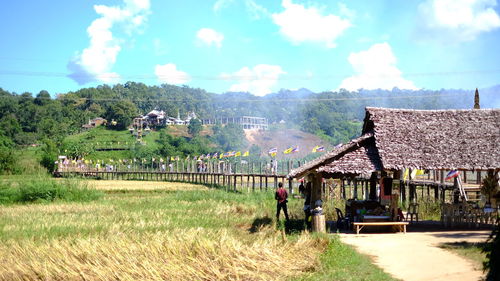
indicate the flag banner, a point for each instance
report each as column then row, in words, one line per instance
column 247, row 153
column 237, row 154
column 208, row 156
column 452, row 174
column 295, row 149
column 215, row 155
column 221, row 155
column 320, row 149
column 273, row 150
column 288, row 150
column 172, row 158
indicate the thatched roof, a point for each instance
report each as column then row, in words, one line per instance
column 422, row 139
column 356, row 145
column 436, row 139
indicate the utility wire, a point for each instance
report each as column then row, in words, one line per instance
column 260, row 99
column 232, row 77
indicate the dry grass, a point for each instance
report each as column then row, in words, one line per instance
column 143, row 185
column 185, row 255
column 177, row 232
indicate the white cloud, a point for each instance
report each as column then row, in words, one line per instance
column 168, row 73
column 257, row 80
column 376, row 69
column 255, row 10
column 210, row 37
column 460, row 20
column 94, row 63
column 301, row 24
column 220, row 4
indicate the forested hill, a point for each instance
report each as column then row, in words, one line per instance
column 26, row 118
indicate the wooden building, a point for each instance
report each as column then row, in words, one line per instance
column 394, row 139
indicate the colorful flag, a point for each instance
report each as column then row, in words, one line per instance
column 221, row 155
column 208, row 156
column 247, row 153
column 272, row 150
column 452, row 174
column 215, row 155
column 237, row 154
column 320, row 149
column 295, row 149
column 288, row 150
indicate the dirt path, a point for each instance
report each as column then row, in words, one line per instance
column 416, row 255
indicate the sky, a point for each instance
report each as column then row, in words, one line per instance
column 256, row 46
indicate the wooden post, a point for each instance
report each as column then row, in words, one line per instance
column 373, row 186
column 355, row 189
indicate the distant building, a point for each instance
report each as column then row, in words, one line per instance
column 96, row 122
column 247, row 122
column 160, row 118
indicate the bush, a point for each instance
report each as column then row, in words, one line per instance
column 46, row 189
column 492, row 251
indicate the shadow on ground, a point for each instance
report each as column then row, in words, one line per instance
column 260, row 223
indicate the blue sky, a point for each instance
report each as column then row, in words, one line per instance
column 250, row 45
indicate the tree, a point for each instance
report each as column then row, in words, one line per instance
column 49, row 155
column 489, row 186
column 122, row 113
column 194, row 127
column 229, row 137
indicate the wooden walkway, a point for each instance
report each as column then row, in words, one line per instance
column 249, row 181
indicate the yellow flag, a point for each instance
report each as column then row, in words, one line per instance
column 406, row 174
column 247, row 153
column 288, row 150
column 172, row 158
column 315, row 148
column 237, row 154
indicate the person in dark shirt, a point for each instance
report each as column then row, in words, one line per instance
column 281, row 197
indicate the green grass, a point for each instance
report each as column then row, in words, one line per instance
column 342, row 262
column 44, row 189
column 470, row 251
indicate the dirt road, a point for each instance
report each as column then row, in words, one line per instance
column 416, row 255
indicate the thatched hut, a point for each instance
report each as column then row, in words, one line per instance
column 394, row 139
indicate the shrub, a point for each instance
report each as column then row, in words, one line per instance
column 46, row 189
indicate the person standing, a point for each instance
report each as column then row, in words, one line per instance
column 281, row 197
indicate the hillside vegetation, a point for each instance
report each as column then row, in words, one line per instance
column 335, row 117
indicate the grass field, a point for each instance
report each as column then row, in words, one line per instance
column 168, row 231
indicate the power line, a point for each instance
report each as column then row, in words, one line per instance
column 232, row 77
column 260, row 99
